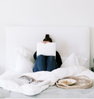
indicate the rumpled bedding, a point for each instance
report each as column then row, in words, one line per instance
column 11, row 80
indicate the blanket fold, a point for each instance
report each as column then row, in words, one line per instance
column 34, row 83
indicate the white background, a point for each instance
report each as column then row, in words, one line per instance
column 45, row 13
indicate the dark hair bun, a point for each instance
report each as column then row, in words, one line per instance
column 47, row 38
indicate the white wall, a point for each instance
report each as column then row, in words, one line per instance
column 45, row 13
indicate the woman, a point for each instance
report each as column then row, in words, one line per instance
column 46, row 63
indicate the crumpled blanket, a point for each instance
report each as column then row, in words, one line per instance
column 40, row 81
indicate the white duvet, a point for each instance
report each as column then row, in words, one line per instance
column 10, row 79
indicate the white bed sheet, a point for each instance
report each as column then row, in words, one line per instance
column 51, row 92
column 8, row 82
column 55, row 92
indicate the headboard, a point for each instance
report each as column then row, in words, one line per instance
column 68, row 39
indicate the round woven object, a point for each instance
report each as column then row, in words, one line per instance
column 82, row 82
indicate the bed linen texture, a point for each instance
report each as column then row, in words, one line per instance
column 52, row 92
column 10, row 79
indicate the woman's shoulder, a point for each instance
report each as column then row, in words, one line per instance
column 57, row 52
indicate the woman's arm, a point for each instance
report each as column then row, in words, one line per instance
column 34, row 55
column 58, row 59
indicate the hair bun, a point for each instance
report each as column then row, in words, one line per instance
column 47, row 36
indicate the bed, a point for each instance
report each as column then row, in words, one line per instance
column 73, row 44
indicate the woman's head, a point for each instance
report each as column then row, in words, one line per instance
column 47, row 38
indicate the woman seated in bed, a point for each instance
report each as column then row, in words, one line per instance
column 46, row 63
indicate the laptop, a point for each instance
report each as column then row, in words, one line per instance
column 48, row 49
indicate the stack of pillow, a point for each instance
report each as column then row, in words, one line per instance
column 74, row 60
column 22, row 60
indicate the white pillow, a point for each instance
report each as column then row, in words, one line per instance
column 71, row 61
column 27, row 53
column 82, row 60
column 23, row 64
column 22, row 50
column 64, row 59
